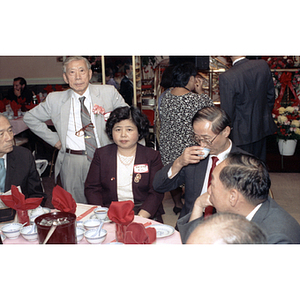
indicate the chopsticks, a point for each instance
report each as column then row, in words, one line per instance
column 86, row 213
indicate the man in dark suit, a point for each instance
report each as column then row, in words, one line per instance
column 126, row 87
column 17, row 168
column 240, row 185
column 247, row 95
column 211, row 127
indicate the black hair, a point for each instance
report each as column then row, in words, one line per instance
column 182, row 74
column 219, row 118
column 128, row 113
column 248, row 175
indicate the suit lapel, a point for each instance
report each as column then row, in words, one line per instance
column 10, row 170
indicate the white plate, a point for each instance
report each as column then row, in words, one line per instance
column 162, row 230
column 106, row 220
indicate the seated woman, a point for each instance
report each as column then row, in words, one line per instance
column 125, row 169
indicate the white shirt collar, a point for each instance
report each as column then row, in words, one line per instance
column 221, row 156
column 253, row 212
column 238, row 60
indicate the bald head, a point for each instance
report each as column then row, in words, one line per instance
column 227, row 228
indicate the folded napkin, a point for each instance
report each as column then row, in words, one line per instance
column 17, row 200
column 136, row 233
column 2, row 106
column 63, row 200
column 121, row 212
column 30, row 106
column 58, row 87
column 15, row 107
column 21, row 100
column 48, row 89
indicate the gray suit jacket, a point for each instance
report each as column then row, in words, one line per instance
column 57, row 108
column 279, row 226
column 192, row 176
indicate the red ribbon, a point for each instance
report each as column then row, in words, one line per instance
column 285, row 80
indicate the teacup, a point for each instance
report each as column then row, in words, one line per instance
column 205, row 151
column 101, row 213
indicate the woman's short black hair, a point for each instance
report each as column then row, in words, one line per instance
column 182, row 74
column 128, row 113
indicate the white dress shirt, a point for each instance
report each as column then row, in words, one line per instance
column 221, row 156
column 72, row 141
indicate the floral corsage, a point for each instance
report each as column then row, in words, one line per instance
column 97, row 110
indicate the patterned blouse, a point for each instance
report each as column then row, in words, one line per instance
column 176, row 132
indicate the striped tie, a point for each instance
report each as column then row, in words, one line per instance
column 2, row 175
column 89, row 135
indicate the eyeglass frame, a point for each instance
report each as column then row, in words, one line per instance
column 207, row 142
column 90, row 125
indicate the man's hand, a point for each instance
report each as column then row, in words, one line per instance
column 58, row 145
column 199, row 205
column 190, row 155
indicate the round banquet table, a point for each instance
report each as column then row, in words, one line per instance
column 84, row 212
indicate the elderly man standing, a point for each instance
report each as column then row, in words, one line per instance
column 78, row 115
column 240, row 185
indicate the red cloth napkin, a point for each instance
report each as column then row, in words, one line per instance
column 17, row 200
column 30, row 106
column 63, row 200
column 2, row 106
column 136, row 233
column 121, row 212
column 15, row 107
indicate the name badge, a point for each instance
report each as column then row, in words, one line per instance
column 141, row 168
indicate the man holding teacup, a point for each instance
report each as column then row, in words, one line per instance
column 192, row 168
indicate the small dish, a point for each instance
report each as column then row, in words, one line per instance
column 91, row 223
column 79, row 233
column 106, row 220
column 162, row 230
column 12, row 230
column 95, row 239
column 29, row 236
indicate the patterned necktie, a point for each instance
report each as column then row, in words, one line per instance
column 209, row 210
column 89, row 135
column 2, row 175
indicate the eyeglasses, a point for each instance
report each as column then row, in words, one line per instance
column 208, row 142
column 81, row 131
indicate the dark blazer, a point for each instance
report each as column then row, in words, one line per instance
column 279, row 226
column 101, row 181
column 247, row 95
column 21, row 171
column 126, row 90
column 192, row 176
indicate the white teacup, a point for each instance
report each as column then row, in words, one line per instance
column 205, row 151
column 101, row 213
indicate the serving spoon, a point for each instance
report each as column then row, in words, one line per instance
column 50, row 232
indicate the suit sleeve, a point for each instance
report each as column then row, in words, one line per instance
column 270, row 91
column 35, row 119
column 227, row 94
column 186, row 228
column 34, row 186
column 93, row 185
column 154, row 198
column 162, row 183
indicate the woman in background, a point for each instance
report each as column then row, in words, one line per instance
column 125, row 169
column 177, row 108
